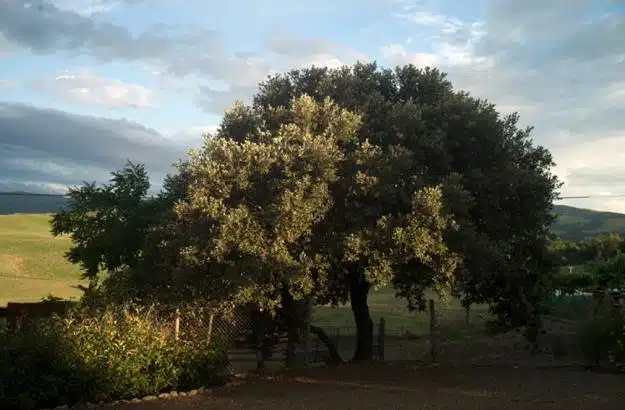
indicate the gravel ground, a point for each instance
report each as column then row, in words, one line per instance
column 410, row 385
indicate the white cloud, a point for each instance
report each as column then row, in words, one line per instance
column 560, row 67
column 84, row 87
column 6, row 84
column 397, row 54
column 191, row 137
column 86, row 7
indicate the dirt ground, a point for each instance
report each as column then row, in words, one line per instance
column 412, row 386
column 474, row 373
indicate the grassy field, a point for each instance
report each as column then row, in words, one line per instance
column 399, row 320
column 32, row 266
column 32, row 262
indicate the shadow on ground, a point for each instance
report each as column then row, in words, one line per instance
column 409, row 385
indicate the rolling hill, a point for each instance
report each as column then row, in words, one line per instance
column 572, row 223
column 577, row 223
column 21, row 203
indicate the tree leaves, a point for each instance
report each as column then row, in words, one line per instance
column 108, row 224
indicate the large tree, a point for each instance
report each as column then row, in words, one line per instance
column 396, row 182
column 497, row 185
column 279, row 214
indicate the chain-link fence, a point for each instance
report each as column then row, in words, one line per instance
column 226, row 331
column 401, row 334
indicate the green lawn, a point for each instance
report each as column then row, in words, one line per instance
column 399, row 320
column 32, row 262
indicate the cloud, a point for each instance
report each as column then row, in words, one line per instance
column 42, row 27
column 558, row 63
column 6, row 84
column 86, row 7
column 242, row 73
column 171, row 50
column 300, row 50
column 43, row 145
column 84, row 87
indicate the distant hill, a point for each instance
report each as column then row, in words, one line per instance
column 572, row 223
column 17, row 203
column 576, row 223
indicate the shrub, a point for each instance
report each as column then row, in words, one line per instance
column 114, row 353
column 603, row 339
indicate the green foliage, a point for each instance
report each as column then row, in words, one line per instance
column 602, row 340
column 595, row 249
column 496, row 183
column 107, row 224
column 282, row 208
column 570, row 283
column 600, row 276
column 610, row 274
column 102, row 355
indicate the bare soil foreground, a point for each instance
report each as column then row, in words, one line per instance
column 413, row 386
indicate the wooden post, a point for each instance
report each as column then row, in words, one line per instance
column 177, row 325
column 466, row 305
column 210, row 327
column 306, row 350
column 338, row 338
column 309, row 309
column 433, row 328
column 381, row 338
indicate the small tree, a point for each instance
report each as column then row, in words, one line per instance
column 108, row 223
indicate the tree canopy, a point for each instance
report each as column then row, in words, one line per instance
column 496, row 183
column 336, row 181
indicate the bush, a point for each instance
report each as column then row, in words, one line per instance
column 114, row 353
column 603, row 339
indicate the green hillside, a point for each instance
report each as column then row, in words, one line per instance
column 16, row 203
column 32, row 263
column 576, row 223
column 572, row 223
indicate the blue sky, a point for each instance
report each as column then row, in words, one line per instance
column 85, row 84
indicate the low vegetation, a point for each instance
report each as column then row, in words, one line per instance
column 92, row 356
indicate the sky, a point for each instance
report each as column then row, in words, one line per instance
column 87, row 84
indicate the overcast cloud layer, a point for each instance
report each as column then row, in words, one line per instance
column 87, row 84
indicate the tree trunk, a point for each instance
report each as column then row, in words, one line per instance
column 358, row 293
column 290, row 313
column 335, row 357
